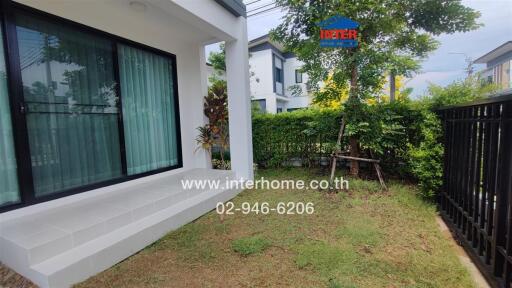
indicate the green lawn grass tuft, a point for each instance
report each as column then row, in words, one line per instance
column 250, row 245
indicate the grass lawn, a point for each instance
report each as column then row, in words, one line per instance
column 363, row 238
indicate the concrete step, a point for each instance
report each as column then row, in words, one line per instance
column 61, row 246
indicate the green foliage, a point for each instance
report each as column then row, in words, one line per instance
column 384, row 129
column 304, row 134
column 426, row 159
column 205, row 139
column 218, row 59
column 457, row 92
column 393, row 36
column 255, row 108
column 216, row 132
column 378, row 127
column 295, row 90
column 425, row 154
column 216, row 155
column 216, row 103
column 405, row 135
column 250, row 245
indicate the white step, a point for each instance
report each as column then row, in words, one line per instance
column 62, row 246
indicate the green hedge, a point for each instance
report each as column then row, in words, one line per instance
column 303, row 134
column 389, row 130
column 405, row 137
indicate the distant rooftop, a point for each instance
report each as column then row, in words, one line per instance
column 497, row 52
column 265, row 39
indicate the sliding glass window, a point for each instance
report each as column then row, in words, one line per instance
column 148, row 110
column 98, row 109
column 8, row 178
column 69, row 91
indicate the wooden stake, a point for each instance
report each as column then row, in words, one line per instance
column 379, row 174
column 338, row 150
column 357, row 158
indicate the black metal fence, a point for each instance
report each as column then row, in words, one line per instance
column 476, row 200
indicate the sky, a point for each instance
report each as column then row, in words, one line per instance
column 442, row 67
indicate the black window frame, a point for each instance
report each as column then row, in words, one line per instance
column 279, row 74
column 277, row 71
column 262, row 104
column 297, row 74
column 8, row 11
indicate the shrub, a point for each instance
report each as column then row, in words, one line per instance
column 426, row 159
column 304, row 134
column 455, row 93
column 405, row 135
column 250, row 245
column 308, row 135
column 385, row 129
column 221, row 165
column 215, row 134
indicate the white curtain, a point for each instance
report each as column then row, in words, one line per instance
column 8, row 177
column 148, row 110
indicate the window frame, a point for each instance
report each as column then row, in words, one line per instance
column 8, row 11
column 298, row 73
column 279, row 73
column 274, row 73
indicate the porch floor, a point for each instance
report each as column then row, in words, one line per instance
column 59, row 245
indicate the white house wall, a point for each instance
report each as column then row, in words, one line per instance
column 261, row 68
column 304, row 100
column 290, row 66
column 221, row 23
column 261, row 81
column 154, row 28
column 299, row 102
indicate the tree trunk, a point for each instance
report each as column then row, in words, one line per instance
column 354, row 152
column 353, row 142
column 392, row 86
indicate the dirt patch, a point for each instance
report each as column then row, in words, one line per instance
column 11, row 279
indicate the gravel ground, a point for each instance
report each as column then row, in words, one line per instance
column 11, row 279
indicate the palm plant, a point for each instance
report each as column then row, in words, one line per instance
column 205, row 139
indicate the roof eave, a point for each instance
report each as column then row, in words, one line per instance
column 492, row 54
column 235, row 7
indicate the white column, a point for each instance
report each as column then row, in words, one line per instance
column 239, row 103
column 203, row 158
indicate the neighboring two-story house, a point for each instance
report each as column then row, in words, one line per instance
column 499, row 62
column 277, row 84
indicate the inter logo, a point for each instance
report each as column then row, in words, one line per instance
column 338, row 31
